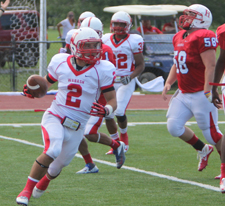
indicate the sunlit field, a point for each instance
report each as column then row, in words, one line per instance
column 159, row 169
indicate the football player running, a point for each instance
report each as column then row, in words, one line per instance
column 81, row 78
column 193, row 68
column 219, row 71
column 127, row 49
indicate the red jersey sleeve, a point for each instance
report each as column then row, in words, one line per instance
column 220, row 34
column 206, row 41
column 107, row 54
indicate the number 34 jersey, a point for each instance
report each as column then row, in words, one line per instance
column 77, row 90
column 190, row 67
column 124, row 52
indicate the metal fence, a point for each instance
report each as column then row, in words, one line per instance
column 19, row 60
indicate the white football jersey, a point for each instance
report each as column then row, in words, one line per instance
column 124, row 52
column 77, row 90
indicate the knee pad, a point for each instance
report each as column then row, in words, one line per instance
column 121, row 118
column 174, row 128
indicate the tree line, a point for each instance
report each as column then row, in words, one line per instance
column 58, row 9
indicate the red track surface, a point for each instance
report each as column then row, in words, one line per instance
column 151, row 101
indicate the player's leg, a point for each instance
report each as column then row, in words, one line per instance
column 207, row 120
column 70, row 147
column 112, row 129
column 118, row 147
column 222, row 167
column 52, row 132
column 123, row 95
column 90, row 166
column 92, row 126
column 178, row 114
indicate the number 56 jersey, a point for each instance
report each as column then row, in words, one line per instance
column 124, row 52
column 187, row 58
column 78, row 89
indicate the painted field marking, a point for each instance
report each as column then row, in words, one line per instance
column 129, row 124
column 205, row 186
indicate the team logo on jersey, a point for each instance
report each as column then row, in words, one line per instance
column 76, row 81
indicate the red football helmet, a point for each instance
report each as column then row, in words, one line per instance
column 196, row 16
column 86, row 45
column 121, row 17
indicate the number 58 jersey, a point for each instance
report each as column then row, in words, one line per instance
column 187, row 58
column 78, row 89
column 124, row 52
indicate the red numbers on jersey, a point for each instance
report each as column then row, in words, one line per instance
column 121, row 61
column 76, row 93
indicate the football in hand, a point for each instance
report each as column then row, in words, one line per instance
column 37, row 86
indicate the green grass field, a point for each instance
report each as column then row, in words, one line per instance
column 152, row 154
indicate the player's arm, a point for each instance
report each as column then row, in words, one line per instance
column 139, row 65
column 111, row 105
column 220, row 65
column 172, row 77
column 58, row 28
column 209, row 61
column 49, row 80
column 139, row 68
column 5, row 4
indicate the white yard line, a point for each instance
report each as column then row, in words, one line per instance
column 129, row 123
column 209, row 187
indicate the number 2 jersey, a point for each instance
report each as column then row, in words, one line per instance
column 190, row 68
column 124, row 52
column 77, row 90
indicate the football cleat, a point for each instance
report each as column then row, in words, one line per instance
column 203, row 156
column 87, row 169
column 126, row 148
column 109, row 152
column 222, row 185
column 22, row 200
column 120, row 155
column 37, row 192
column 217, row 177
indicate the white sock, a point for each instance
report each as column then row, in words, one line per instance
column 123, row 131
column 115, row 136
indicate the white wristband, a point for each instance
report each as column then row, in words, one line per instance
column 110, row 108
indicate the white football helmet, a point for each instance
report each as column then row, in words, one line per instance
column 83, row 16
column 196, row 16
column 121, row 17
column 86, row 45
column 69, row 35
column 94, row 23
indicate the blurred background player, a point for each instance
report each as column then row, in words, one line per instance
column 64, row 122
column 127, row 49
column 219, row 71
column 94, row 123
column 83, row 16
column 67, row 24
column 194, row 66
column 67, row 49
column 69, row 34
column 148, row 28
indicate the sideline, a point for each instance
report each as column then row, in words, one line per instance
column 175, row 179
